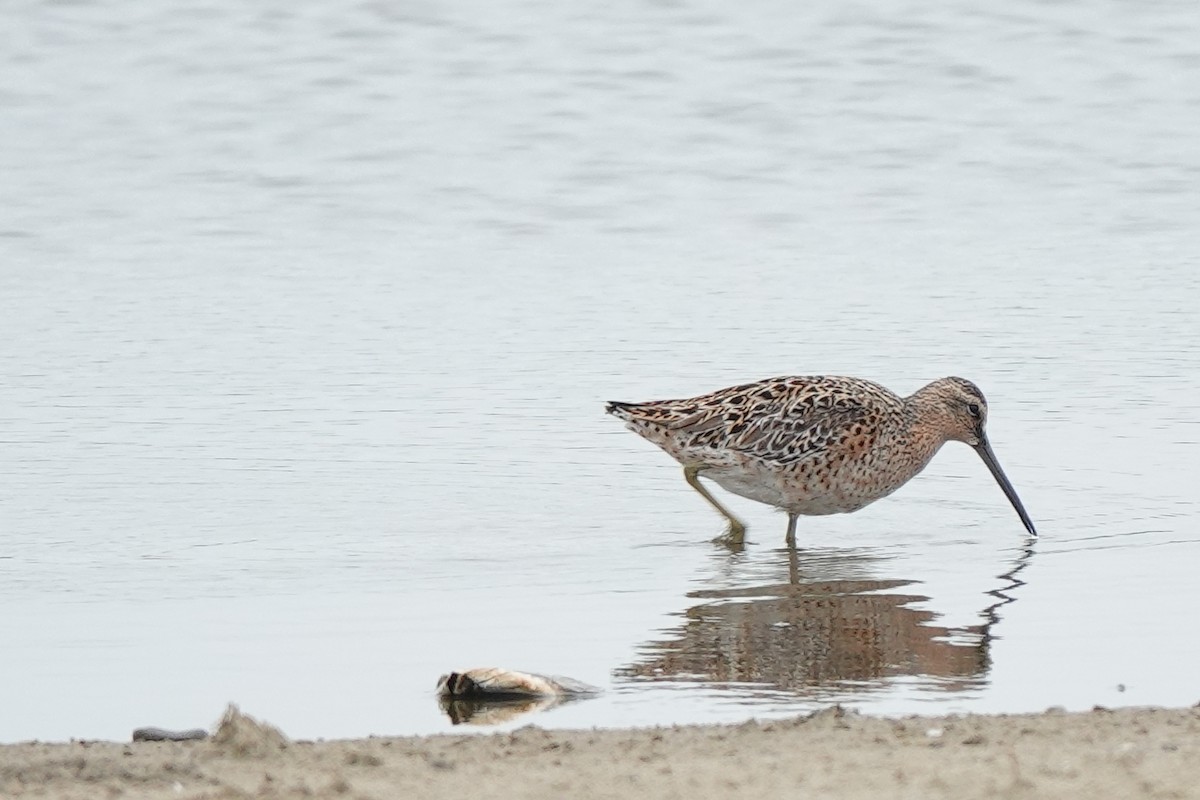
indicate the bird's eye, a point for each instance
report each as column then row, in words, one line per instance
column 973, row 410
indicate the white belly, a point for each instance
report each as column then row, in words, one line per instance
column 783, row 491
column 762, row 488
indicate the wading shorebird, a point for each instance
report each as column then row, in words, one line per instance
column 814, row 445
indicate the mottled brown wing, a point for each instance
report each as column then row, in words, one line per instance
column 793, row 438
column 778, row 423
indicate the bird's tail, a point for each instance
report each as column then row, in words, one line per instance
column 619, row 409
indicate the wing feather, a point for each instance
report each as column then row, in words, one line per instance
column 780, row 420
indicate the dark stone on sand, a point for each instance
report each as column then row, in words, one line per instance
column 164, row 735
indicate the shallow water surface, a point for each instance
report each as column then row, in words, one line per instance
column 309, row 315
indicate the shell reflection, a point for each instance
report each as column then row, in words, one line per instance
column 491, row 695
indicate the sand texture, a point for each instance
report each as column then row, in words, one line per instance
column 1100, row 754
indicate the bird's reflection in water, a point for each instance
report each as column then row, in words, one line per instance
column 830, row 624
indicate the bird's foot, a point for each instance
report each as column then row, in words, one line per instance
column 734, row 537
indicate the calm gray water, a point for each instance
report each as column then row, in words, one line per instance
column 308, row 312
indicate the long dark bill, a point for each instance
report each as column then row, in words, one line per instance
column 985, row 452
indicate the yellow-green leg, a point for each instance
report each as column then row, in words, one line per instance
column 737, row 529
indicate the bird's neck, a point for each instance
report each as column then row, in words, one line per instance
column 925, row 422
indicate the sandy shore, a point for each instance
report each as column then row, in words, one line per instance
column 1122, row 753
